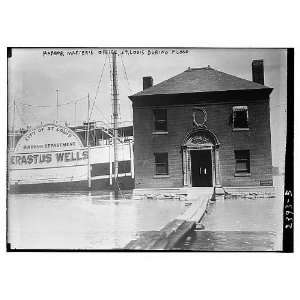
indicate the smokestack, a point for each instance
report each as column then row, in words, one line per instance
column 147, row 82
column 258, row 71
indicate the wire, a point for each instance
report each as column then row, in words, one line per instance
column 97, row 90
column 128, row 83
column 45, row 106
column 18, row 98
column 98, row 86
column 126, row 77
column 72, row 102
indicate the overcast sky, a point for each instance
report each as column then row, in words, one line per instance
column 35, row 77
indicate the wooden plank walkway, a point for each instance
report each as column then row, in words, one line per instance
column 169, row 235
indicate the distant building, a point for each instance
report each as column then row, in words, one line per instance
column 203, row 127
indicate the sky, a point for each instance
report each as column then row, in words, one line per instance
column 35, row 74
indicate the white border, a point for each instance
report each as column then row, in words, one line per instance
column 138, row 275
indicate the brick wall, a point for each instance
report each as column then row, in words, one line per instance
column 257, row 140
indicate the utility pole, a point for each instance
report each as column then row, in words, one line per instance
column 88, row 144
column 57, row 104
column 115, row 122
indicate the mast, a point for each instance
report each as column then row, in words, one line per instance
column 115, row 121
column 88, row 143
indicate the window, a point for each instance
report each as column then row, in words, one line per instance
column 160, row 120
column 161, row 164
column 242, row 161
column 240, row 117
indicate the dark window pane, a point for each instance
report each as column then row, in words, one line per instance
column 242, row 161
column 100, row 169
column 160, row 126
column 161, row 163
column 240, row 118
column 161, row 157
column 160, row 114
column 242, row 154
column 160, row 119
column 124, row 166
column 161, row 169
column 241, row 165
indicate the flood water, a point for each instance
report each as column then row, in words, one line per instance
column 239, row 224
column 84, row 221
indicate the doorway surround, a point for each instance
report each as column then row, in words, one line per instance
column 200, row 138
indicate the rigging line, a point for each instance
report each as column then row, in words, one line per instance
column 32, row 105
column 21, row 97
column 97, row 90
column 125, row 73
column 128, row 83
column 72, row 101
column 34, row 118
column 98, row 86
column 45, row 106
column 32, row 115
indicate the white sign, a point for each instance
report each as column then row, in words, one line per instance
column 48, row 146
column 47, row 138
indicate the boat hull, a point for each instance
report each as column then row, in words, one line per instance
column 52, row 158
column 125, row 183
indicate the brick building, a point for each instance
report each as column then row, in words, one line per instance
column 203, row 127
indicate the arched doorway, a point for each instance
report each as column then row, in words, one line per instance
column 200, row 157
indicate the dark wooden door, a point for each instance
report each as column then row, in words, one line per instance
column 201, row 168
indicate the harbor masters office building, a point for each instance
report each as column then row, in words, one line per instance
column 203, row 128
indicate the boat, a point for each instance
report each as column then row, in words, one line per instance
column 54, row 157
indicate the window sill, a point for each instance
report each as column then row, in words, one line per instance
column 159, row 132
column 240, row 129
column 242, row 174
column 161, row 176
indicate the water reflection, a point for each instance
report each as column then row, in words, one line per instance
column 262, row 214
column 83, row 220
column 229, row 241
column 239, row 224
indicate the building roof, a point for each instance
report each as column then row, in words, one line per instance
column 200, row 80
